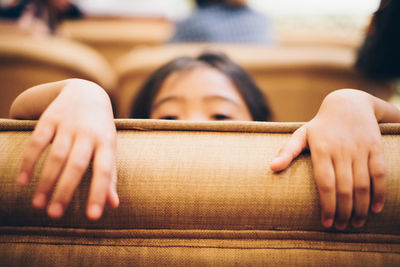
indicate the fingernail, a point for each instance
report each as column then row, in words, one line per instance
column 116, row 197
column 55, row 210
column 327, row 223
column 94, row 212
column 39, row 201
column 22, row 178
column 340, row 226
column 358, row 222
column 377, row 207
column 275, row 160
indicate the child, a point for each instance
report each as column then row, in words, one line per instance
column 76, row 116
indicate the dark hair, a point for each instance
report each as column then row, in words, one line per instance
column 253, row 97
column 379, row 55
column 232, row 3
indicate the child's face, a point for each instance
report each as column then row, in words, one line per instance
column 199, row 94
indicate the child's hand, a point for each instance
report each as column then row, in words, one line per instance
column 347, row 155
column 79, row 124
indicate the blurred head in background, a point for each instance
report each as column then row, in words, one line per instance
column 379, row 55
column 40, row 17
column 225, row 21
column 203, row 88
column 234, row 3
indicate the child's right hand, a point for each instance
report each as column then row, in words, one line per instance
column 79, row 125
column 347, row 155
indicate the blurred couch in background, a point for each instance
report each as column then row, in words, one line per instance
column 26, row 61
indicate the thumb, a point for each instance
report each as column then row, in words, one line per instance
column 296, row 144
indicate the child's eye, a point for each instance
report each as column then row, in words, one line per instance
column 221, row 117
column 169, row 118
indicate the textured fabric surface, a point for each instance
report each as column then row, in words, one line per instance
column 194, row 194
column 82, row 255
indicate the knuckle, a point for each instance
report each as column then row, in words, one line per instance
column 344, row 149
column 58, row 156
column 84, row 129
column 321, row 148
column 345, row 193
column 376, row 145
column 108, row 139
column 50, row 117
column 78, row 166
column 105, row 172
column 362, row 189
column 378, row 173
column 36, row 143
column 326, row 188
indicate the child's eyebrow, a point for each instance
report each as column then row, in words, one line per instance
column 165, row 99
column 224, row 98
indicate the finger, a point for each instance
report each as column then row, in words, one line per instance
column 344, row 191
column 325, row 180
column 361, row 191
column 112, row 196
column 40, row 139
column 76, row 166
column 296, row 144
column 53, row 167
column 377, row 171
column 102, row 176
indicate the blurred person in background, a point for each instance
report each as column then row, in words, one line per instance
column 40, row 17
column 379, row 56
column 12, row 9
column 224, row 21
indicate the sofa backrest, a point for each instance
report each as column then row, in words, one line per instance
column 195, row 194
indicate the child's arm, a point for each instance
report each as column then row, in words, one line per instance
column 346, row 151
column 76, row 117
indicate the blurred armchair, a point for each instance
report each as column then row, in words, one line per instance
column 27, row 61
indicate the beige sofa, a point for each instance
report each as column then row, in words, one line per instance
column 195, row 194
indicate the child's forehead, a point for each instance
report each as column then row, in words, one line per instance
column 201, row 76
column 198, row 83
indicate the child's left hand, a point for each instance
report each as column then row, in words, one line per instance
column 347, row 155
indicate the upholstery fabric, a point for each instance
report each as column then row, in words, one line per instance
column 195, row 194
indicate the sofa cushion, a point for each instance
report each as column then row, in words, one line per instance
column 195, row 193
